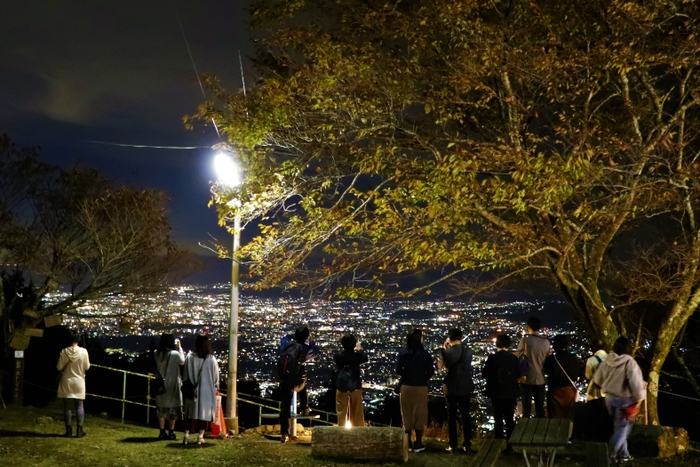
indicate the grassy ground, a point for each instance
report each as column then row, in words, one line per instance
column 32, row 437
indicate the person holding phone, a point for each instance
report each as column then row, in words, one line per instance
column 169, row 358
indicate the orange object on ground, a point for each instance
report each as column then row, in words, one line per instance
column 218, row 426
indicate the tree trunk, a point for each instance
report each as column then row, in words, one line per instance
column 360, row 442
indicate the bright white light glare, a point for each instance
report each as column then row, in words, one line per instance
column 227, row 170
column 348, row 424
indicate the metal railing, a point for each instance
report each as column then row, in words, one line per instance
column 242, row 398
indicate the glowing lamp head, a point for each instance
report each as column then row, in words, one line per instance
column 227, row 170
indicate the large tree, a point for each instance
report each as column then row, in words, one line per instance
column 519, row 139
column 76, row 232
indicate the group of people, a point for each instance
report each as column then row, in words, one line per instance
column 534, row 371
column 537, row 371
column 190, row 383
column 194, row 389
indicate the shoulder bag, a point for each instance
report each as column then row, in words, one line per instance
column 567, row 376
column 188, row 388
column 158, row 382
column 523, row 363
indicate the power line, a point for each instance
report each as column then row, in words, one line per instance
column 194, row 65
column 147, row 146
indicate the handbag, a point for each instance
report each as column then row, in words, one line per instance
column 523, row 363
column 567, row 376
column 158, row 382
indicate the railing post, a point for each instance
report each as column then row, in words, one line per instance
column 259, row 415
column 124, row 397
column 148, row 401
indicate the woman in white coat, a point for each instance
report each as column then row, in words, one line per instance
column 73, row 363
column 202, row 371
column 169, row 358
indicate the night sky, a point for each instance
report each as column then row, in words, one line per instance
column 119, row 72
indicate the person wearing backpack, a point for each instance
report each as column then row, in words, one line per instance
column 291, row 374
column 348, row 383
column 459, row 385
column 592, row 364
column 536, row 349
column 501, row 373
column 415, row 368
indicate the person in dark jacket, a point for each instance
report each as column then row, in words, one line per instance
column 459, row 385
column 306, row 351
column 348, row 403
column 415, row 368
column 501, row 375
column 562, row 370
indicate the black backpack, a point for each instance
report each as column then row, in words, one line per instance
column 505, row 377
column 346, row 381
column 289, row 367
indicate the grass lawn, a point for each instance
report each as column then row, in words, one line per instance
column 29, row 438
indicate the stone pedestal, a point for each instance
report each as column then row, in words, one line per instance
column 360, row 442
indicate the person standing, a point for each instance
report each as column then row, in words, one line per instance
column 415, row 368
column 299, row 349
column 501, row 375
column 459, row 385
column 562, row 370
column 536, row 348
column 620, row 379
column 592, row 364
column 348, row 396
column 202, row 370
column 73, row 362
column 169, row 358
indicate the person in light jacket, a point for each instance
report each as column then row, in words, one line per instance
column 620, row 380
column 202, row 370
column 73, row 363
column 169, row 358
column 536, row 348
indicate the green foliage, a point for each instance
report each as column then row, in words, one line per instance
column 514, row 138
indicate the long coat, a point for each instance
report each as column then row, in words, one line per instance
column 207, row 382
column 168, row 365
column 76, row 362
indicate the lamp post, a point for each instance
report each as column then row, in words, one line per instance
column 228, row 174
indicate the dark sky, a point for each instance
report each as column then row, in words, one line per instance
column 75, row 71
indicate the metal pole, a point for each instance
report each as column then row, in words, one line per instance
column 231, row 409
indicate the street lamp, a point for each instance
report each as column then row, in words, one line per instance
column 229, row 175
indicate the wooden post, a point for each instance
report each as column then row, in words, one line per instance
column 360, row 442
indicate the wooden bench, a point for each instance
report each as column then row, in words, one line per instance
column 488, row 453
column 596, row 454
column 544, row 436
